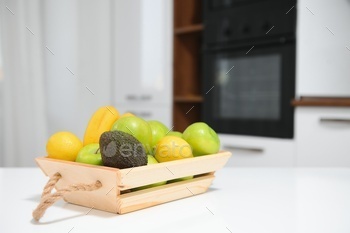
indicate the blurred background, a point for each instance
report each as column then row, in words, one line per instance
column 271, row 77
column 64, row 59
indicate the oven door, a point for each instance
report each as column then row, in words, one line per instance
column 249, row 91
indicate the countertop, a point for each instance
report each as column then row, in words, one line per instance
column 253, row 200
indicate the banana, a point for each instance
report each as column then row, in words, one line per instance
column 100, row 122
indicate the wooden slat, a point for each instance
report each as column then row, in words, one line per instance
column 188, row 99
column 322, row 101
column 140, row 176
column 104, row 198
column 162, row 194
column 188, row 29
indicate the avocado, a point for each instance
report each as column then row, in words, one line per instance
column 121, row 150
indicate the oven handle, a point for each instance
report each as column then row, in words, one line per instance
column 250, row 149
column 334, row 120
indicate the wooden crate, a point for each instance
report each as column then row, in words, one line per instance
column 115, row 195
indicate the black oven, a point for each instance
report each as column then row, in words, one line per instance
column 249, row 67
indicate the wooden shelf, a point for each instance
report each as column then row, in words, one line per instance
column 187, row 78
column 187, row 12
column 188, row 29
column 322, row 101
column 188, row 99
column 186, row 114
column 187, row 72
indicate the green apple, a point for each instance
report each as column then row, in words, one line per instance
column 90, row 154
column 202, row 139
column 180, row 179
column 150, row 160
column 175, row 133
column 159, row 130
column 136, row 127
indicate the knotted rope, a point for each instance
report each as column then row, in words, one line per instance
column 48, row 198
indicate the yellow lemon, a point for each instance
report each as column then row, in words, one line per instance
column 171, row 148
column 64, row 146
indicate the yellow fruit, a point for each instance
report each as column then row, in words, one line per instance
column 171, row 148
column 127, row 114
column 63, row 145
column 100, row 122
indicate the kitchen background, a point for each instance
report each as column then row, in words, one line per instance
column 61, row 60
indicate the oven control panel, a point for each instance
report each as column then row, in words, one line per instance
column 250, row 21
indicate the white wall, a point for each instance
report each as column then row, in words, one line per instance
column 82, row 38
column 78, row 33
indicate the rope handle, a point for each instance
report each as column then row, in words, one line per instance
column 48, row 198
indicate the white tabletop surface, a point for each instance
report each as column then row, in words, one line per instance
column 253, row 200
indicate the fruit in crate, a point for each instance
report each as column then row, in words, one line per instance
column 121, row 150
column 175, row 133
column 202, row 138
column 124, row 147
column 172, row 148
column 100, row 122
column 90, row 154
column 156, row 139
column 64, row 146
column 159, row 130
column 138, row 128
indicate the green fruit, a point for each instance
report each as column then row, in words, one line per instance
column 181, row 179
column 121, row 150
column 202, row 139
column 90, row 154
column 151, row 160
column 136, row 127
column 175, row 133
column 159, row 130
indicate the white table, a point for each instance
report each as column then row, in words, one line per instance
column 253, row 200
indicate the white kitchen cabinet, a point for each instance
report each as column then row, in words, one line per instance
column 323, row 48
column 258, row 151
column 142, row 51
column 1, row 120
column 149, row 112
column 323, row 136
